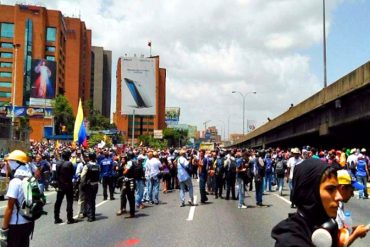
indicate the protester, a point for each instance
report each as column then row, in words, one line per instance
column 317, row 199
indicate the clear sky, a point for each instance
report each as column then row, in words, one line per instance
column 213, row 47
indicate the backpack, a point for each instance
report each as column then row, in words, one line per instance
column 279, row 169
column 32, row 207
column 188, row 169
column 219, row 166
column 268, row 165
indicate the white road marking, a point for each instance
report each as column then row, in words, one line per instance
column 192, row 210
column 282, row 198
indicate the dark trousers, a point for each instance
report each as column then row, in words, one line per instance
column 230, row 186
column 259, row 191
column 58, row 203
column 19, row 235
column 108, row 181
column 128, row 194
column 90, row 198
column 202, row 188
column 219, row 185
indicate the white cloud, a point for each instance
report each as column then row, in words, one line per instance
column 213, row 47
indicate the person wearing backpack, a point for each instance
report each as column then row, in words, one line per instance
column 219, row 174
column 268, row 172
column 90, row 184
column 280, row 168
column 16, row 229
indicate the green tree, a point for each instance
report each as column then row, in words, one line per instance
column 175, row 137
column 96, row 119
column 148, row 140
column 63, row 114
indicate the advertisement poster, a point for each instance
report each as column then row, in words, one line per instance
column 172, row 115
column 138, row 86
column 251, row 125
column 43, row 76
column 32, row 112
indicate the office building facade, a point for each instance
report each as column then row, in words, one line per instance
column 142, row 124
column 101, row 74
column 42, row 54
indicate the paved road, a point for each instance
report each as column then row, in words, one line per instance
column 219, row 223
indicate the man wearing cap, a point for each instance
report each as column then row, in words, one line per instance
column 292, row 162
column 346, row 185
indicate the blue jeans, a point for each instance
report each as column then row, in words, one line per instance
column 154, row 190
column 268, row 180
column 139, row 192
column 240, row 183
column 280, row 184
column 290, row 184
column 259, row 191
column 362, row 180
column 188, row 184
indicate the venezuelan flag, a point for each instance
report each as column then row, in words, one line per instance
column 79, row 133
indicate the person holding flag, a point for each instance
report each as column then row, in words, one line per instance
column 79, row 133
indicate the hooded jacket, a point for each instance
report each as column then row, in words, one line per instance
column 297, row 229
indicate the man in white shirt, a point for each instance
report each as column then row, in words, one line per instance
column 16, row 230
column 292, row 162
column 152, row 165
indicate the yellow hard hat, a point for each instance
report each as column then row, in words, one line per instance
column 18, row 155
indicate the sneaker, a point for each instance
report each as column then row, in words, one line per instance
column 112, row 198
column 58, row 221
column 242, row 206
column 81, row 216
column 141, row 206
column 90, row 219
column 182, row 204
column 191, row 203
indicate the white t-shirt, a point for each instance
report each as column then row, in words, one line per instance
column 292, row 162
column 153, row 166
column 15, row 191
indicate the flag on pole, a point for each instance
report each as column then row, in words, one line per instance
column 79, row 133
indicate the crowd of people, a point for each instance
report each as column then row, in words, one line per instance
column 141, row 173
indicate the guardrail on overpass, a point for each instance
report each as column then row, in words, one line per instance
column 346, row 85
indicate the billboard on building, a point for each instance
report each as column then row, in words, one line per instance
column 172, row 115
column 138, row 86
column 251, row 125
column 43, row 77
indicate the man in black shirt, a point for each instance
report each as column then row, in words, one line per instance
column 64, row 174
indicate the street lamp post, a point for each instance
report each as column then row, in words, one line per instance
column 15, row 46
column 324, row 44
column 243, row 97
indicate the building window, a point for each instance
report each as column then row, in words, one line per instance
column 51, row 33
column 5, row 65
column 6, row 45
column 6, row 55
column 7, row 30
column 50, row 58
column 50, row 48
column 5, row 84
column 5, row 94
column 6, row 74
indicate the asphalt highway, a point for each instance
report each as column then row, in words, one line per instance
column 218, row 223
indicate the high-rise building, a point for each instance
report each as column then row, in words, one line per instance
column 101, row 74
column 143, row 124
column 42, row 54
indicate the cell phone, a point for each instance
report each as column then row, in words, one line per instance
column 140, row 100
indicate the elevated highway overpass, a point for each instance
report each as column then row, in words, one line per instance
column 335, row 117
